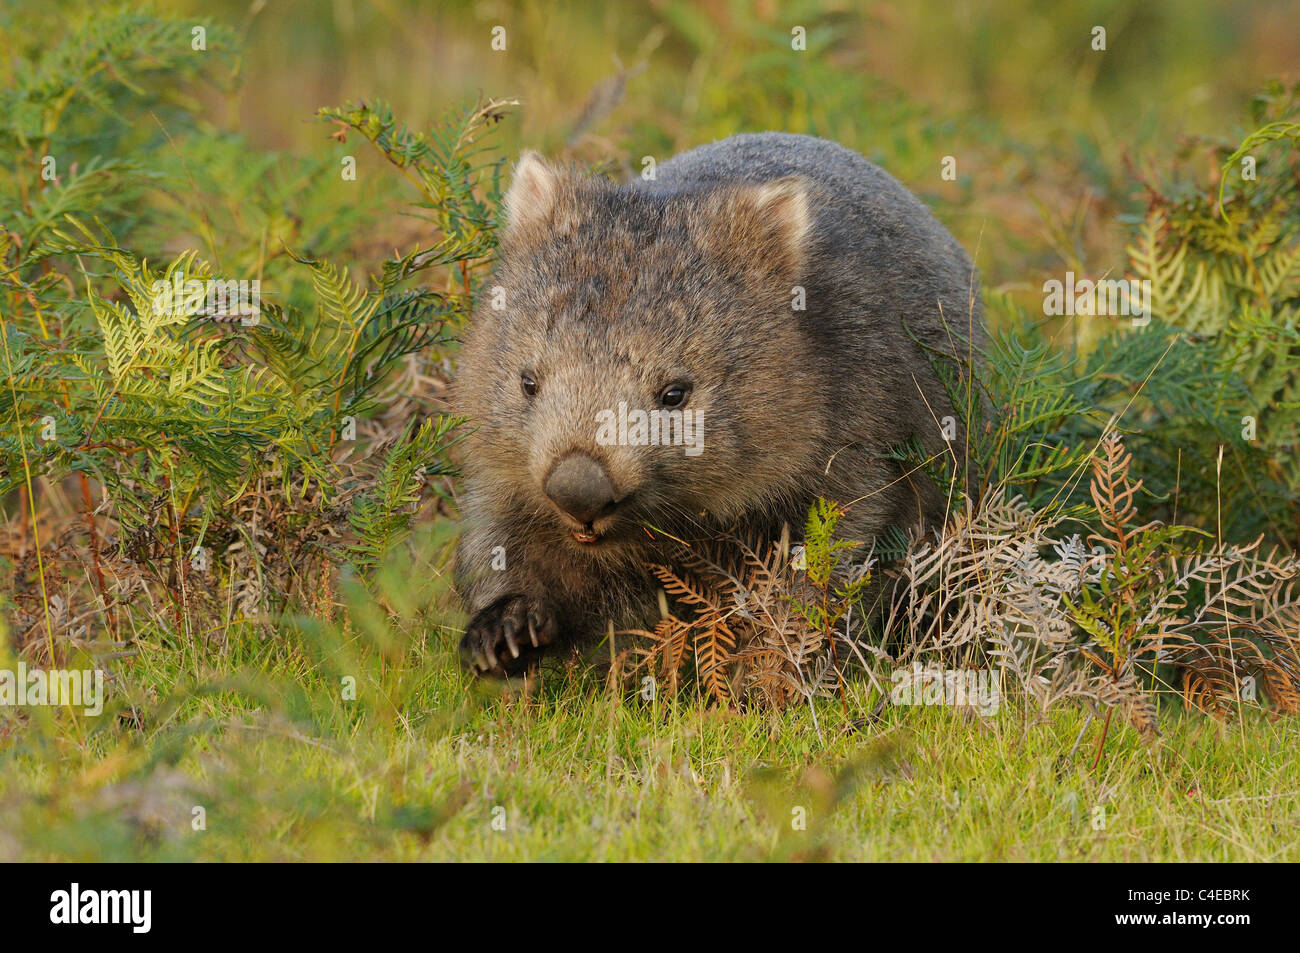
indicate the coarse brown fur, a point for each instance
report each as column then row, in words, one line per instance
column 610, row 294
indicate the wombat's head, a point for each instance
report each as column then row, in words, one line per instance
column 636, row 363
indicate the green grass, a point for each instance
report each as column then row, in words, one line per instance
column 418, row 767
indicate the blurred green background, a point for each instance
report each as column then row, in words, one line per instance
column 1053, row 139
column 1050, row 135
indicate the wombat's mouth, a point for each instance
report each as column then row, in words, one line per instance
column 600, row 533
column 615, row 534
column 603, row 532
column 605, row 528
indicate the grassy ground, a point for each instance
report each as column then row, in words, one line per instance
column 424, row 765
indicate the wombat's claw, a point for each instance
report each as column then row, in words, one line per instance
column 494, row 644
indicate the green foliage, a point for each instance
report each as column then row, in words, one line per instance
column 441, row 163
column 1037, row 446
column 215, row 428
column 84, row 89
column 1224, row 264
column 839, row 585
column 1207, row 386
column 382, row 515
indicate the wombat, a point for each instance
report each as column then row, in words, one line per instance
column 701, row 353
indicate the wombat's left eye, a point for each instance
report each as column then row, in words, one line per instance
column 528, row 384
column 674, row 395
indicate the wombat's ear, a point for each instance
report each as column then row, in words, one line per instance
column 768, row 224
column 532, row 197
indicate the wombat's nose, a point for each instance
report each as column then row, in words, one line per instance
column 580, row 487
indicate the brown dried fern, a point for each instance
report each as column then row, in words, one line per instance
column 1114, row 622
column 733, row 615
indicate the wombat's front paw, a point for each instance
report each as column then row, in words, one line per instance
column 508, row 636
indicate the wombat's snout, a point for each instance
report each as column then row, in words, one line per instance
column 580, row 487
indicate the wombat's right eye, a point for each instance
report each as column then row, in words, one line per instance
column 528, row 384
column 674, row 395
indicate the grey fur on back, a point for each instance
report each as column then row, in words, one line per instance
column 877, row 251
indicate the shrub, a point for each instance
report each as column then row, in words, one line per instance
column 238, row 451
